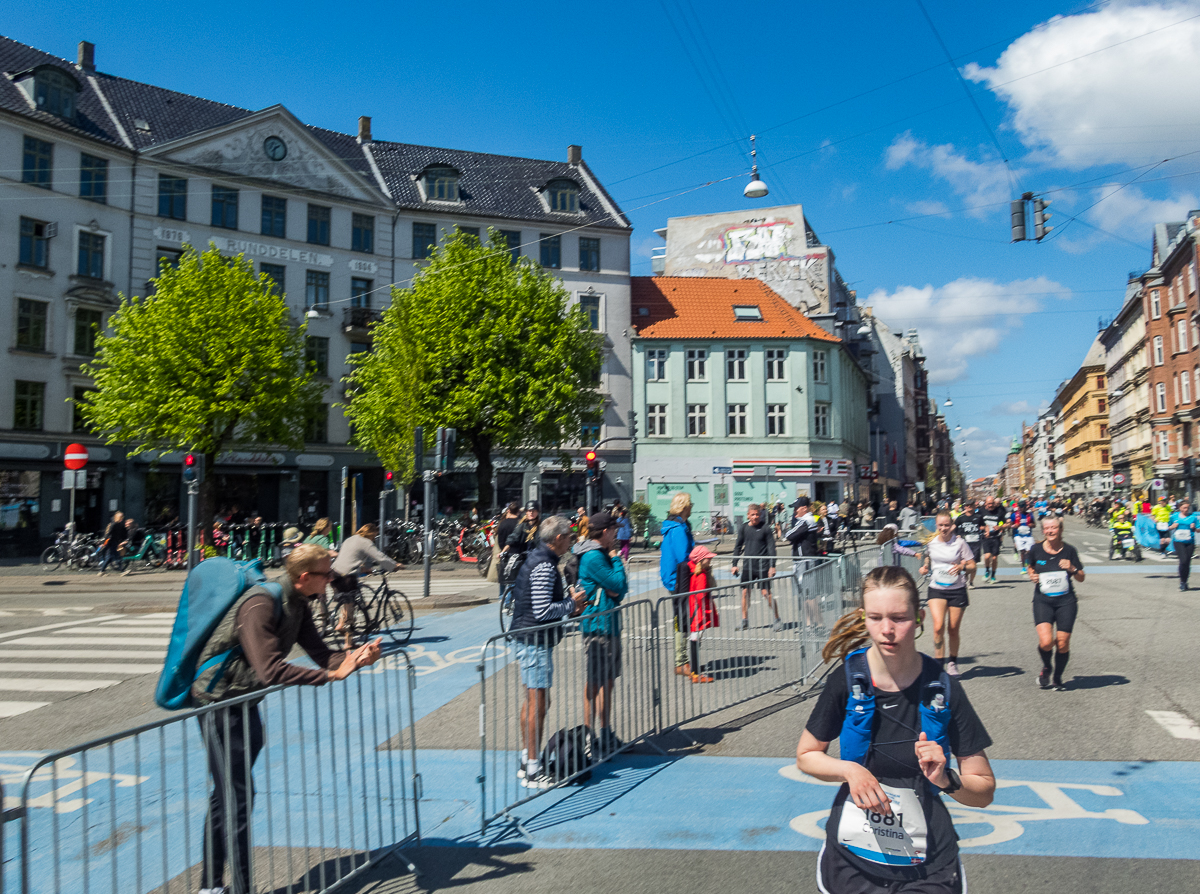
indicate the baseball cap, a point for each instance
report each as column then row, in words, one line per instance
column 600, row 521
column 533, row 506
column 700, row 553
column 801, row 501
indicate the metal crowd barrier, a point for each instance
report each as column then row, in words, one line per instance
column 334, row 790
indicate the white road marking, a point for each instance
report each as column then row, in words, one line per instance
column 12, row 709
column 74, row 623
column 1178, row 725
column 140, row 623
column 17, row 684
column 113, row 631
column 1088, row 559
column 47, row 667
column 67, row 654
column 87, row 641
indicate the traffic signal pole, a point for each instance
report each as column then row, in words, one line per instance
column 429, row 477
column 193, row 490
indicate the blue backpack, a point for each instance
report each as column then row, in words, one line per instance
column 934, row 708
column 211, row 589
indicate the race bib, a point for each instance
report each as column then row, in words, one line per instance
column 898, row 839
column 1054, row 583
column 1183, row 535
column 1024, row 530
column 1162, row 526
column 972, row 538
column 943, row 576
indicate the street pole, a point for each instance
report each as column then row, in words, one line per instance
column 429, row 477
column 71, row 518
column 193, row 490
column 381, row 541
column 342, row 506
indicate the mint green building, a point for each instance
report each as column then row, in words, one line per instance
column 741, row 399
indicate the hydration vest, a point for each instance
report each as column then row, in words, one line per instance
column 934, row 707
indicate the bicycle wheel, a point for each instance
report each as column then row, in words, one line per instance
column 484, row 564
column 346, row 618
column 395, row 619
column 51, row 558
column 506, row 609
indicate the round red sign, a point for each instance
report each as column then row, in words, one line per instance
column 75, row 456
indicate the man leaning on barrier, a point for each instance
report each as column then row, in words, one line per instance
column 233, row 736
column 540, row 600
column 602, row 579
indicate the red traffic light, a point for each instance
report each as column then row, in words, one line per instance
column 190, row 460
column 590, row 456
column 388, row 476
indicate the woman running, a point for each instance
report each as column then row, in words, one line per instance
column 1053, row 565
column 1183, row 535
column 898, row 726
column 947, row 556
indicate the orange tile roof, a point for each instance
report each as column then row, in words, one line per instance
column 702, row 307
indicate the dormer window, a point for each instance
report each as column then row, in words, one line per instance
column 747, row 313
column 54, row 92
column 441, row 184
column 563, row 196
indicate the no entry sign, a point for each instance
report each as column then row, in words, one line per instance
column 75, row 457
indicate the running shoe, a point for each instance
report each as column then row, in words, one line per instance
column 745, row 624
column 777, row 626
column 1059, row 686
column 952, row 669
column 1044, row 678
column 539, row 781
column 702, row 678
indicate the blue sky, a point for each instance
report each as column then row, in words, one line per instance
column 860, row 116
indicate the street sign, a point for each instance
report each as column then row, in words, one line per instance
column 75, row 456
column 1157, row 484
column 1118, row 478
column 74, row 479
column 722, row 470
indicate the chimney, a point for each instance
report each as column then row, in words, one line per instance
column 574, row 155
column 87, row 56
column 364, row 129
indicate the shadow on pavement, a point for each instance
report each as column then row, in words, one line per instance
column 1097, row 682
column 735, row 666
column 979, row 671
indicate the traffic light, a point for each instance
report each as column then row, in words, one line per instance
column 1040, row 216
column 593, row 465
column 389, row 481
column 446, row 444
column 1017, row 208
column 193, row 468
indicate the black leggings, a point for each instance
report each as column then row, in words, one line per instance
column 1184, row 550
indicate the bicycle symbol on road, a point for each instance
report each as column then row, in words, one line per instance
column 430, row 661
column 1005, row 820
column 67, row 774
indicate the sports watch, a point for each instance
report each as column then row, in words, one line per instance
column 955, row 782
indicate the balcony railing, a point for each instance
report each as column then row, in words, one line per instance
column 359, row 318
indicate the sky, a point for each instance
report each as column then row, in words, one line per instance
column 904, row 128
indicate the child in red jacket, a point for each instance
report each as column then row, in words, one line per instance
column 701, row 610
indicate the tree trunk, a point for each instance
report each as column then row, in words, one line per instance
column 481, row 447
column 206, row 501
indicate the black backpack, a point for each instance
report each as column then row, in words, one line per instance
column 567, row 752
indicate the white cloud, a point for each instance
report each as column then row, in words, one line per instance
column 1083, row 92
column 979, row 183
column 931, row 208
column 1127, row 212
column 963, row 319
column 1013, row 408
column 984, row 449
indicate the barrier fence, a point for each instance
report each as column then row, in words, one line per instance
column 334, row 789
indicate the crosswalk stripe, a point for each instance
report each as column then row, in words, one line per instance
column 16, row 684
column 12, row 709
column 113, row 631
column 1178, row 725
column 66, row 654
column 140, row 622
column 47, row 667
column 74, row 623
column 86, row 641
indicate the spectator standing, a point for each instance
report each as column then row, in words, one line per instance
column 802, row 532
column 701, row 609
column 833, row 518
column 504, row 529
column 624, row 532
column 867, row 515
column 602, row 579
column 677, row 544
column 755, row 543
column 909, row 517
column 114, row 536
column 521, row 540
column 891, row 515
column 540, row 600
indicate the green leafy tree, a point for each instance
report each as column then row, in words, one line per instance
column 483, row 345
column 209, row 362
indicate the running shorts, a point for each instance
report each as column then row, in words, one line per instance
column 1022, row 543
column 837, row 874
column 955, row 598
column 991, row 546
column 755, row 569
column 1059, row 612
column 976, row 550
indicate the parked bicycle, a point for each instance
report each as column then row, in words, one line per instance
column 360, row 614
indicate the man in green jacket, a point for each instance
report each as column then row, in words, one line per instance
column 602, row 579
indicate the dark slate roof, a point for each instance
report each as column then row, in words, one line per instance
column 490, row 185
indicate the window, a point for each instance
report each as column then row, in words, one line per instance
column 318, row 225
column 590, row 304
column 274, row 217
column 1195, row 334
column 316, row 288
column 224, row 207
column 360, row 292
column 1158, row 350
column 172, row 197
column 91, row 256
column 1181, row 335
column 316, row 430
column 470, row 231
column 563, row 196
column 35, row 244
column 1160, row 397
column 316, row 352
column 1155, row 304
column 1102, row 405
column 735, row 365
column 441, row 185
column 29, row 405
column 1104, row 457
column 360, row 347
column 278, row 276
column 776, row 371
column 589, row 253
column 1164, row 445
column 512, row 238
column 735, row 415
column 54, row 92
column 656, row 365
column 697, row 420
column 589, row 433
column 697, row 365
column 1099, row 381
column 362, row 233
column 36, row 162
column 87, row 323
column 1185, row 383
column 656, row 420
column 1104, row 431
column 551, row 247
column 749, row 313
column 820, row 361
column 776, row 420
column 78, row 398
column 93, row 178
column 31, row 324
column 424, row 240
column 821, row 420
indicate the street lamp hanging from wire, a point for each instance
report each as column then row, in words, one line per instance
column 755, row 189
